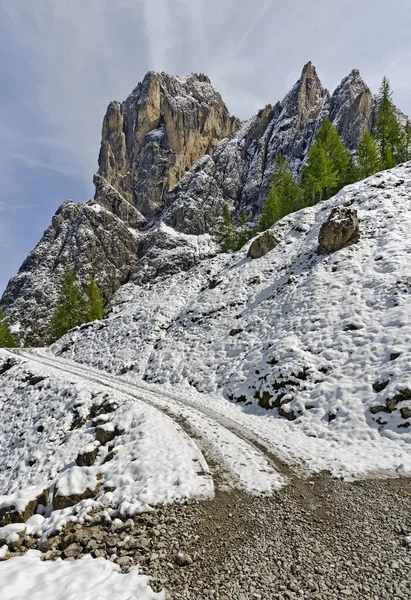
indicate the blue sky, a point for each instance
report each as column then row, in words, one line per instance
column 62, row 61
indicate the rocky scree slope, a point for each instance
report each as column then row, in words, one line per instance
column 172, row 153
column 322, row 339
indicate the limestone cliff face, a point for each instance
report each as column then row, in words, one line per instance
column 351, row 109
column 156, row 135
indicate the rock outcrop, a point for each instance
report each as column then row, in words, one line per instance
column 239, row 170
column 351, row 109
column 87, row 237
column 155, row 136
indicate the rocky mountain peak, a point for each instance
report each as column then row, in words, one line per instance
column 172, row 154
column 351, row 108
column 306, row 99
column 155, row 136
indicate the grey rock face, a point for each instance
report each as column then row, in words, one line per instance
column 263, row 244
column 163, row 252
column 341, row 229
column 351, row 109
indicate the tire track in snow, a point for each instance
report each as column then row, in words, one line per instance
column 239, row 461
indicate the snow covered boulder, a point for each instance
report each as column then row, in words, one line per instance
column 340, row 230
column 17, row 508
column 74, row 485
column 263, row 244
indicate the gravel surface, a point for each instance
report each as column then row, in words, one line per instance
column 316, row 539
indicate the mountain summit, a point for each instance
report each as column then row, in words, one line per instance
column 173, row 154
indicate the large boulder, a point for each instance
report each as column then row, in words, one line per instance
column 340, row 230
column 263, row 244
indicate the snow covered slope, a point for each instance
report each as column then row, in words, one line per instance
column 322, row 339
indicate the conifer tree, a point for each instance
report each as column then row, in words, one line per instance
column 244, row 232
column 284, row 197
column 332, row 143
column 71, row 308
column 226, row 234
column 406, row 143
column 387, row 129
column 320, row 175
column 367, row 159
column 6, row 337
column 271, row 209
column 94, row 301
column 328, row 167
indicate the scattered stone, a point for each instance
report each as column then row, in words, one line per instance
column 406, row 412
column 72, row 551
column 183, row 559
column 50, row 545
column 107, row 432
column 8, row 364
column 124, row 561
column 378, row 386
column 87, row 457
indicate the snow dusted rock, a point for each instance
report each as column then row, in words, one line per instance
column 14, row 509
column 74, row 485
column 351, row 109
column 340, row 230
column 164, row 251
column 150, row 140
column 87, row 455
column 263, row 244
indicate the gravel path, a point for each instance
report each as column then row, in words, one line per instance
column 317, row 539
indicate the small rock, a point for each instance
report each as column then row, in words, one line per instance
column 72, row 551
column 124, row 561
column 183, row 559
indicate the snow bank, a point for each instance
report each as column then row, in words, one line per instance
column 86, row 579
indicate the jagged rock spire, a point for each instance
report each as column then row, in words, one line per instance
column 351, row 109
column 155, row 136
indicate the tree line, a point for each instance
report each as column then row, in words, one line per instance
column 75, row 305
column 328, row 168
